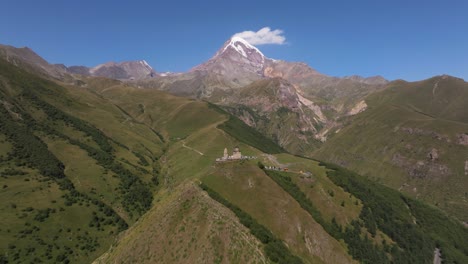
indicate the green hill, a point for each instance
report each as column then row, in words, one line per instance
column 411, row 138
column 69, row 182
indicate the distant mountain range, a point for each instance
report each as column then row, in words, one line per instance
column 128, row 70
column 313, row 100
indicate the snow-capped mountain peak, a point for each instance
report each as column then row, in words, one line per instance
column 242, row 47
column 237, row 58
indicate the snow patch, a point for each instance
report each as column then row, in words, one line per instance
column 163, row 74
column 236, row 40
column 149, row 67
column 146, row 65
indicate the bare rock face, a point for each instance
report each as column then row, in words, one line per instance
column 422, row 169
column 433, row 155
column 466, row 167
column 83, row 70
column 271, row 73
column 127, row 70
column 294, row 72
column 358, row 108
column 429, row 133
column 462, row 139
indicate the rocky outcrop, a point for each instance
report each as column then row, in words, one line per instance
column 10, row 108
column 466, row 167
column 276, row 108
column 433, row 155
column 462, row 139
column 421, row 169
column 423, row 132
column 26, row 58
column 127, row 70
column 358, row 108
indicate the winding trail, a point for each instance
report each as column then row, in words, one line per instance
column 274, row 160
column 437, row 256
column 187, row 147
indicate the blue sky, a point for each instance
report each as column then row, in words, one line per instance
column 411, row 40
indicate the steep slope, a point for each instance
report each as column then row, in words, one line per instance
column 336, row 96
column 237, row 61
column 186, row 226
column 28, row 59
column 70, row 181
column 260, row 197
column 415, row 141
column 275, row 108
column 321, row 202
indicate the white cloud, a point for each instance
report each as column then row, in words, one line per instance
column 263, row 36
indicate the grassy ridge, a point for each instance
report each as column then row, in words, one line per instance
column 275, row 249
column 46, row 218
column 258, row 195
column 136, row 196
column 187, row 226
column 242, row 132
column 29, row 153
column 360, row 248
column 449, row 235
column 391, row 140
column 416, row 227
column 246, row 134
